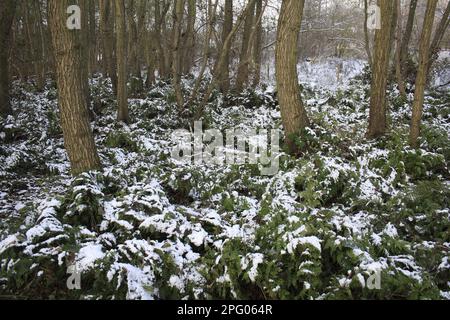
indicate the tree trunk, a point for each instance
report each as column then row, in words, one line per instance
column 438, row 36
column 7, row 12
column 377, row 118
column 366, row 33
column 398, row 64
column 257, row 49
column 221, row 61
column 178, row 12
column 121, row 54
column 78, row 138
column 293, row 113
column 243, row 70
column 407, row 34
column 189, row 47
column 421, row 79
column 160, row 17
column 85, row 42
column 227, row 28
column 92, row 38
column 107, row 26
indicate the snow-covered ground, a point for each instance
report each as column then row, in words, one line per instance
column 149, row 228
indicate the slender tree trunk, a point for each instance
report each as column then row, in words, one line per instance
column 92, row 37
column 398, row 64
column 366, row 33
column 78, row 138
column 407, row 34
column 257, row 49
column 438, row 36
column 211, row 16
column 243, row 70
column 41, row 41
column 133, row 41
column 293, row 113
column 107, row 26
column 421, row 79
column 227, row 28
column 7, row 12
column 121, row 53
column 29, row 26
column 221, row 61
column 377, row 118
column 160, row 17
column 176, row 64
column 189, row 47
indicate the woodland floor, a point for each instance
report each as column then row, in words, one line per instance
column 149, row 228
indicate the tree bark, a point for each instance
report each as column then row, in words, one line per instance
column 377, row 118
column 243, row 70
column 257, row 49
column 438, row 36
column 227, row 28
column 107, row 25
column 189, row 47
column 293, row 113
column 407, row 34
column 78, row 138
column 366, row 33
column 121, row 54
column 421, row 79
column 178, row 12
column 398, row 62
column 7, row 12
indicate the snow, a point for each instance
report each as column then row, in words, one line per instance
column 161, row 224
column 88, row 255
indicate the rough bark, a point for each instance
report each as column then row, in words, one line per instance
column 227, row 28
column 377, row 117
column 78, row 138
column 293, row 113
column 421, row 79
column 121, row 54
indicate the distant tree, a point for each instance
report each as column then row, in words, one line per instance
column 189, row 39
column 133, row 47
column 421, row 79
column 107, row 36
column 178, row 12
column 438, row 36
column 398, row 58
column 78, row 137
column 407, row 36
column 383, row 41
column 366, row 33
column 293, row 113
column 257, row 48
column 7, row 12
column 121, row 54
column 227, row 28
column 244, row 57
